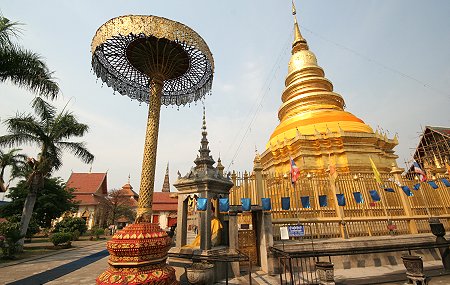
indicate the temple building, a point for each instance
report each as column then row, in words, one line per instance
column 433, row 151
column 89, row 190
column 129, row 198
column 165, row 205
column 314, row 128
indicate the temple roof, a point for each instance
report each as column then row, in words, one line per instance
column 89, row 188
column 204, row 172
column 88, row 182
column 164, row 201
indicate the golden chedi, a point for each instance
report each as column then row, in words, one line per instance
column 314, row 128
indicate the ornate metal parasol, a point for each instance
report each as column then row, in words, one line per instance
column 157, row 61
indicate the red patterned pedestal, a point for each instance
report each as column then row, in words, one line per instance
column 138, row 255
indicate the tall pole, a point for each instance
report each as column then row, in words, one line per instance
column 144, row 211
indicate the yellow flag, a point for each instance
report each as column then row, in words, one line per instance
column 375, row 171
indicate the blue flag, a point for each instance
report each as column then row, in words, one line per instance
column 305, row 202
column 416, row 186
column 389, row 190
column 358, row 197
column 202, row 204
column 446, row 182
column 246, row 205
column 323, row 201
column 407, row 191
column 266, row 205
column 375, row 196
column 433, row 184
column 224, row 204
column 340, row 199
column 285, row 203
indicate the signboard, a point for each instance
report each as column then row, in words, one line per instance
column 296, row 231
column 284, row 235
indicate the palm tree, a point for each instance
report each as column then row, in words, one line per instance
column 50, row 132
column 22, row 67
column 11, row 159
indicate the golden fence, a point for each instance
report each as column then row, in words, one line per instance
column 395, row 213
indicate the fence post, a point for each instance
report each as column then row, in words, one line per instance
column 234, row 194
column 246, row 192
column 257, row 168
column 406, row 204
column 265, row 226
column 339, row 211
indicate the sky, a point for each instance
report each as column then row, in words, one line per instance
column 388, row 59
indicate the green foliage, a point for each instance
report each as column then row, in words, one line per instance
column 97, row 232
column 10, row 235
column 70, row 225
column 23, row 67
column 52, row 201
column 33, row 227
column 61, row 238
column 13, row 160
column 76, row 235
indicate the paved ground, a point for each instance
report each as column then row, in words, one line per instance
column 83, row 265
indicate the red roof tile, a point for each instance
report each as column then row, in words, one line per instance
column 164, row 201
column 87, row 199
column 88, row 183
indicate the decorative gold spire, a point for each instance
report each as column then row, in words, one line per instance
column 299, row 42
column 166, row 184
column 204, row 160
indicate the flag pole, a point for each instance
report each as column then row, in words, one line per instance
column 417, row 176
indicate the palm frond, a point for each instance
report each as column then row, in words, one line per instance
column 18, row 139
column 79, row 150
column 26, row 69
column 44, row 110
column 24, row 123
column 8, row 30
column 66, row 126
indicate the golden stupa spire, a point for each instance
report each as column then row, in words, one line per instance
column 299, row 42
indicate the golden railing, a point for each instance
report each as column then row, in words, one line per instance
column 395, row 213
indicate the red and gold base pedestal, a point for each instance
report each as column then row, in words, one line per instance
column 138, row 255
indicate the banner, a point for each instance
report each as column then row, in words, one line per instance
column 246, row 204
column 340, row 199
column 224, row 204
column 266, row 205
column 305, row 202
column 375, row 196
column 285, row 203
column 323, row 201
column 358, row 197
column 407, row 191
column 202, row 204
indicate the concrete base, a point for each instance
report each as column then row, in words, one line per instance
column 221, row 269
column 364, row 260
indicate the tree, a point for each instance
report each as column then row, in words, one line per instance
column 51, row 202
column 50, row 132
column 23, row 67
column 116, row 205
column 11, row 159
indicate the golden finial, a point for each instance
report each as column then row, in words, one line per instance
column 299, row 42
column 128, row 178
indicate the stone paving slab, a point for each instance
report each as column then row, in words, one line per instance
column 83, row 276
column 24, row 269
